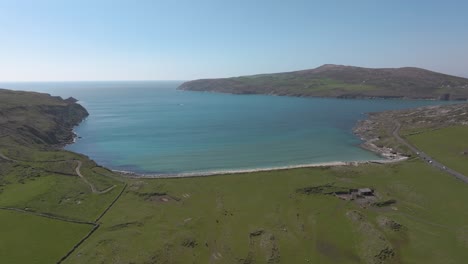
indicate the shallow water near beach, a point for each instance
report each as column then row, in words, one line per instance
column 152, row 128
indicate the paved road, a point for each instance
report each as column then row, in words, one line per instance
column 424, row 156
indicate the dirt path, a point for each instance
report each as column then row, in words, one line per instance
column 95, row 224
column 424, row 156
column 77, row 170
column 6, row 158
column 93, row 188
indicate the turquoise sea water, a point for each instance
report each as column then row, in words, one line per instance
column 151, row 128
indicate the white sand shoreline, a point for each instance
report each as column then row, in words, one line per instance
column 239, row 171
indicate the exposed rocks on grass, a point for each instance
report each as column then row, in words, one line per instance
column 384, row 254
column 256, row 233
column 247, row 260
column 355, row 215
column 216, row 255
column 389, row 224
column 374, row 247
column 159, row 256
column 105, row 242
column 361, row 196
column 275, row 256
column 262, row 242
column 125, row 225
column 384, row 203
column 163, row 199
column 158, row 197
column 189, row 243
column 327, row 189
column 227, row 213
column 151, row 194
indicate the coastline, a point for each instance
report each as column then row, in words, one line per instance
column 366, row 130
column 131, row 174
column 363, row 129
column 341, row 97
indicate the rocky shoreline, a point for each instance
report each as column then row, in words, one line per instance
column 366, row 131
column 46, row 121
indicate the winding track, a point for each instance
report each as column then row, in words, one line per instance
column 91, row 186
column 78, row 172
column 424, row 156
column 95, row 224
column 6, row 158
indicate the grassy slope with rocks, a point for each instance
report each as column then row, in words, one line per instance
column 379, row 126
column 342, row 82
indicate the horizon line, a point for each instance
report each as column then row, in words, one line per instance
column 232, row 76
column 63, row 81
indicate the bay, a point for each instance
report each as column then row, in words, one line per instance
column 149, row 127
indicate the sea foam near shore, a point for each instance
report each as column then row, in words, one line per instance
column 239, row 171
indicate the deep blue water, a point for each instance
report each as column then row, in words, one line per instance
column 150, row 127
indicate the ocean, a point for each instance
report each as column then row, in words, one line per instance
column 149, row 127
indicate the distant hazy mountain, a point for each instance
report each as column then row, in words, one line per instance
column 343, row 82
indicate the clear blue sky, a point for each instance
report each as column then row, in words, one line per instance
column 170, row 40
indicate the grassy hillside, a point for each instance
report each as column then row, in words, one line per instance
column 265, row 217
column 343, row 82
column 45, row 207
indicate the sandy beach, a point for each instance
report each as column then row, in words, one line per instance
column 224, row 172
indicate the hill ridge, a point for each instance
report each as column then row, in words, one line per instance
column 342, row 81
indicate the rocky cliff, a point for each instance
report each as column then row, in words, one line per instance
column 37, row 118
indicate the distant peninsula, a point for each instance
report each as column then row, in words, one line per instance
column 338, row 81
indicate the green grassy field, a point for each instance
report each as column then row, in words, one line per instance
column 35, row 184
column 57, row 195
column 261, row 218
column 33, row 239
column 448, row 146
column 245, row 218
column 44, row 180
